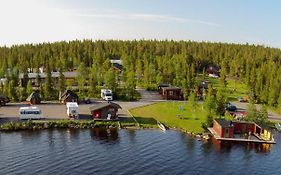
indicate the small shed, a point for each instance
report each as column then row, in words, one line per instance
column 161, row 86
column 34, row 98
column 68, row 96
column 105, row 111
column 172, row 93
column 213, row 70
column 224, row 128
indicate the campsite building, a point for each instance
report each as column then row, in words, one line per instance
column 172, row 93
column 105, row 111
column 213, row 71
column 161, row 86
column 241, row 131
column 68, row 96
column 34, row 98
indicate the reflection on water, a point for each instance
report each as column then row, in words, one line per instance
column 113, row 151
column 104, row 134
column 228, row 145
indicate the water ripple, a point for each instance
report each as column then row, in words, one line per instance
column 129, row 152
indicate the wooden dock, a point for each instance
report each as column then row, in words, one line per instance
column 252, row 138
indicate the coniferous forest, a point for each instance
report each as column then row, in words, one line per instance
column 146, row 63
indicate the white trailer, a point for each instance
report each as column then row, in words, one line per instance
column 30, row 113
column 107, row 94
column 72, row 110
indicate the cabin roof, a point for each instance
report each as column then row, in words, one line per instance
column 53, row 74
column 34, row 95
column 103, row 105
column 68, row 93
column 224, row 123
column 171, row 88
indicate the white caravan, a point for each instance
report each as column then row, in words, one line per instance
column 72, row 110
column 106, row 94
column 30, row 113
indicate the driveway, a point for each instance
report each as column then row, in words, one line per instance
column 273, row 116
column 147, row 98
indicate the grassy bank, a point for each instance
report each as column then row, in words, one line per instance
column 48, row 124
column 233, row 89
column 170, row 114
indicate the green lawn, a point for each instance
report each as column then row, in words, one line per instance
column 170, row 114
column 233, row 89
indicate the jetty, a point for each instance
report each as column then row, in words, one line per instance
column 241, row 131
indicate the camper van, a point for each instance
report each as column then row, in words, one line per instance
column 106, row 94
column 72, row 110
column 30, row 113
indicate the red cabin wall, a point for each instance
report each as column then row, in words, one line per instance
column 218, row 129
column 231, row 132
column 249, row 127
column 96, row 114
column 102, row 113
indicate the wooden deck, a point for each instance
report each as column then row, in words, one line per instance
column 252, row 138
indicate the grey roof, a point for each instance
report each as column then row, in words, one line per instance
column 68, row 93
column 53, row 74
column 116, row 61
column 103, row 105
column 34, row 95
column 224, row 123
column 171, row 88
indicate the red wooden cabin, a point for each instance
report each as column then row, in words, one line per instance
column 105, row 111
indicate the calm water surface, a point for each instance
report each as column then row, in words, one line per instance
column 101, row 151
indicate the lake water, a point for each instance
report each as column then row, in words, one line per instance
column 111, row 151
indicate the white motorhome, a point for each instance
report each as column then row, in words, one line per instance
column 106, row 94
column 30, row 113
column 72, row 110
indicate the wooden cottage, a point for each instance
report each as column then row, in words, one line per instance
column 68, row 96
column 34, row 98
column 105, row 111
column 172, row 93
column 213, row 71
column 223, row 128
column 161, row 86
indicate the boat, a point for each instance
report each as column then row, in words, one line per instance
column 278, row 126
column 161, row 126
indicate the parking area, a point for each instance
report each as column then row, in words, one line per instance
column 55, row 110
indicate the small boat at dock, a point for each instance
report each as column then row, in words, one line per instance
column 161, row 126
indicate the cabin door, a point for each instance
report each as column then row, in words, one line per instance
column 243, row 128
column 226, row 133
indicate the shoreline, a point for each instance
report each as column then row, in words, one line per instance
column 13, row 126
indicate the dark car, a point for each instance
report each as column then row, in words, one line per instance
column 230, row 107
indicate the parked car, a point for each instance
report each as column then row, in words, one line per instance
column 230, row 107
column 241, row 99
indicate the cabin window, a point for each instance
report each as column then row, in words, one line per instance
column 171, row 93
column 30, row 112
